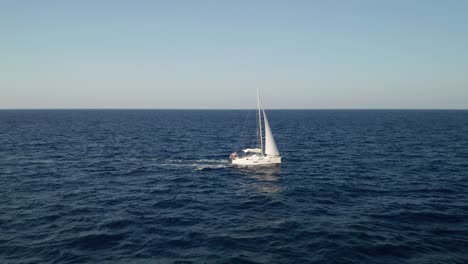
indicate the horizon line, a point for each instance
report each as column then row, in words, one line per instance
column 215, row 109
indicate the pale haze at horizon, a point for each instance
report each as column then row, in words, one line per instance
column 215, row 54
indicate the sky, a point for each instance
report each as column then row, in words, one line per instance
column 348, row 54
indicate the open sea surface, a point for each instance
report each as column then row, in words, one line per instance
column 155, row 186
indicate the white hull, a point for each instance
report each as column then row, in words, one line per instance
column 256, row 160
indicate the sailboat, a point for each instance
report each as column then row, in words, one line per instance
column 267, row 153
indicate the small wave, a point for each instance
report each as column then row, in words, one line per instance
column 96, row 241
column 172, row 203
column 119, row 224
column 42, row 161
column 422, row 217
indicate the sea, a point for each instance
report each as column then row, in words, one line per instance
column 156, row 186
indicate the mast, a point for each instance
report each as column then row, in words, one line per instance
column 260, row 122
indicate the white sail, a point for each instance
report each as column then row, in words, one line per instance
column 270, row 144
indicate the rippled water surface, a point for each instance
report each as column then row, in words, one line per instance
column 138, row 186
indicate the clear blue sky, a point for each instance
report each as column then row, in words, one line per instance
column 214, row 54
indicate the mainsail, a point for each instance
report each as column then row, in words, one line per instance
column 270, row 144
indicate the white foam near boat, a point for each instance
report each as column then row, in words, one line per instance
column 266, row 154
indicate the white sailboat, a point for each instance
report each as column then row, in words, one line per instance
column 266, row 154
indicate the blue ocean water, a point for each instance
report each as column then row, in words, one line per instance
column 155, row 186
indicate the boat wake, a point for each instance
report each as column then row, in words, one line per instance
column 197, row 165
